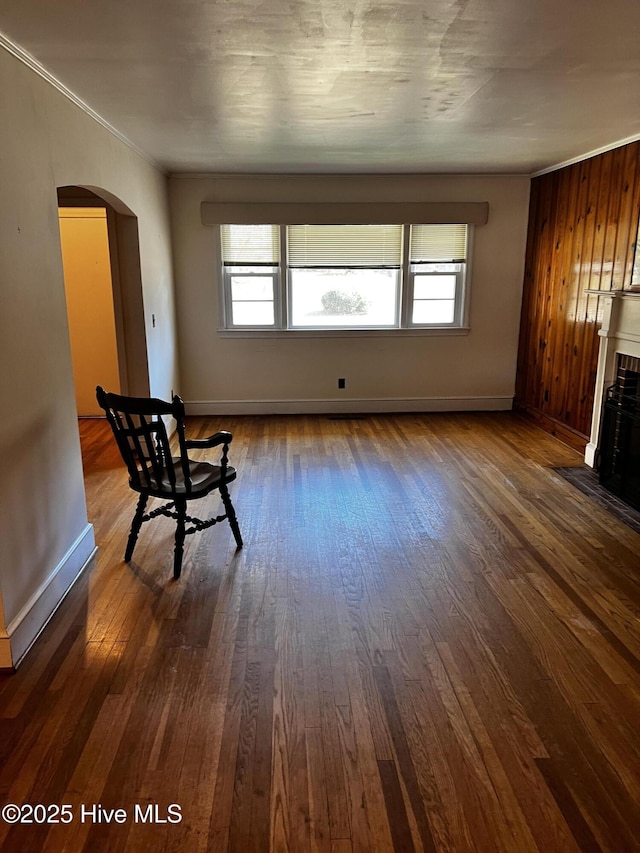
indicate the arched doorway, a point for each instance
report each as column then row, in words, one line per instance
column 90, row 304
column 124, row 315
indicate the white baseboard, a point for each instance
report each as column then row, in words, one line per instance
column 348, row 406
column 27, row 626
column 590, row 454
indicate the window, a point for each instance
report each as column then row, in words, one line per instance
column 344, row 276
column 314, row 277
column 437, row 255
column 251, row 267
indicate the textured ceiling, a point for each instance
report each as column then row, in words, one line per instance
column 347, row 85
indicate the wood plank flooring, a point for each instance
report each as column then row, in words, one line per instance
column 429, row 642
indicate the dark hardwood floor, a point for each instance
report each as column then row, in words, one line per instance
column 430, row 641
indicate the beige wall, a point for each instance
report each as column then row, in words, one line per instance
column 89, row 294
column 46, row 142
column 298, row 373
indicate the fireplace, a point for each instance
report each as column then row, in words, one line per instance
column 618, row 360
column 619, row 451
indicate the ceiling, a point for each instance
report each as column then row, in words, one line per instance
column 330, row 86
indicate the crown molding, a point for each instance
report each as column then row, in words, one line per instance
column 579, row 159
column 32, row 63
column 324, row 176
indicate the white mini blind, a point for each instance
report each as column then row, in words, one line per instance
column 344, row 245
column 438, row 243
column 250, row 245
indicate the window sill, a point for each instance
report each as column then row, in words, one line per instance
column 436, row 331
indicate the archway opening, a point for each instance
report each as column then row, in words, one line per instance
column 103, row 285
column 101, row 254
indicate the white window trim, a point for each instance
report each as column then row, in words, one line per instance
column 228, row 301
column 417, row 332
column 457, row 301
column 282, row 327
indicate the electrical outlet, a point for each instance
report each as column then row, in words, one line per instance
column 342, row 383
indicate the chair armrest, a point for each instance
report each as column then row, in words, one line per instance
column 214, row 440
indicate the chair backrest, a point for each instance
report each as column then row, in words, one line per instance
column 140, row 429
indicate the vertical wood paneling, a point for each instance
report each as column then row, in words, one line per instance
column 577, row 392
column 582, row 227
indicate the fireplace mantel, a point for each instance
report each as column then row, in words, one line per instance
column 619, row 335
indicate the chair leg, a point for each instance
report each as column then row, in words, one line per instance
column 181, row 509
column 136, row 524
column 231, row 515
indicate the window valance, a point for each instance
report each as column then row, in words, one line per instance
column 344, row 213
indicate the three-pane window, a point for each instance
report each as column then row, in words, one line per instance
column 344, row 276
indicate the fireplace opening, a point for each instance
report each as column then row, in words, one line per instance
column 619, row 467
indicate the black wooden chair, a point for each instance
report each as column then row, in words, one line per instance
column 139, row 426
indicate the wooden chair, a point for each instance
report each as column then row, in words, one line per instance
column 139, row 426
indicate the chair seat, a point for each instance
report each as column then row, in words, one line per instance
column 204, row 478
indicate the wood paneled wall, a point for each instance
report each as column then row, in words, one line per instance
column 582, row 228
